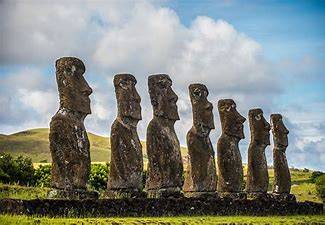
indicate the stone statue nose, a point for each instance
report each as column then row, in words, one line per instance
column 267, row 126
column 173, row 96
column 241, row 118
column 88, row 90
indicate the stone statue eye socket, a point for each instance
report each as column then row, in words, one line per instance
column 228, row 108
column 258, row 117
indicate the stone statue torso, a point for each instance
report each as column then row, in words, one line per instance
column 282, row 179
column 257, row 173
column 201, row 169
column 69, row 148
column 165, row 168
column 230, row 165
column 126, row 157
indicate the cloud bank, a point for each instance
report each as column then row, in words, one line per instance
column 141, row 38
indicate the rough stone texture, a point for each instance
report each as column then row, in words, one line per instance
column 257, row 173
column 230, row 176
column 165, row 167
column 126, row 166
column 282, row 178
column 69, row 143
column 156, row 207
column 201, row 177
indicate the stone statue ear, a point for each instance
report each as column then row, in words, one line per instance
column 123, row 85
column 258, row 117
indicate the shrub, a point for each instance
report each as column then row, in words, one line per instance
column 315, row 175
column 320, row 186
column 42, row 176
column 19, row 170
column 98, row 176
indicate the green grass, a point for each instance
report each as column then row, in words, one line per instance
column 34, row 143
column 207, row 220
column 22, row 192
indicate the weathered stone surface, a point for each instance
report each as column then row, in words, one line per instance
column 126, row 166
column 156, row 207
column 257, row 173
column 201, row 177
column 282, row 178
column 165, row 167
column 230, row 176
column 69, row 143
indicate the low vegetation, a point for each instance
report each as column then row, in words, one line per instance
column 207, row 220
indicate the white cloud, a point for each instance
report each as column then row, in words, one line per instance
column 42, row 102
column 142, row 38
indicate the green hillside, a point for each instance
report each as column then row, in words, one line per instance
column 34, row 143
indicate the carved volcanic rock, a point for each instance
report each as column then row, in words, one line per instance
column 126, row 165
column 69, row 143
column 165, row 166
column 201, row 172
column 230, row 168
column 257, row 174
column 282, row 179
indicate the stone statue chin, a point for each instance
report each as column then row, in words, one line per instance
column 230, row 168
column 201, row 178
column 165, row 168
column 282, row 178
column 257, row 173
column 126, row 166
column 69, row 144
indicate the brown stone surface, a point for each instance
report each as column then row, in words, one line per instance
column 126, row 166
column 201, row 172
column 257, row 174
column 282, row 179
column 69, row 143
column 165, row 168
column 230, row 170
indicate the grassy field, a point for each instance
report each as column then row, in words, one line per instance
column 207, row 220
column 34, row 143
column 302, row 188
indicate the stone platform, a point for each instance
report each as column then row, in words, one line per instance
column 155, row 207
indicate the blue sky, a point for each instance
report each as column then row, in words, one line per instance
column 267, row 54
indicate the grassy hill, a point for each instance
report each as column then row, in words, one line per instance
column 34, row 143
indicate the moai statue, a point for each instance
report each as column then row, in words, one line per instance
column 69, row 143
column 126, row 167
column 257, row 174
column 201, row 177
column 165, row 167
column 230, row 177
column 282, row 179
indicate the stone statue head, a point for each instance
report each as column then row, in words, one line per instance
column 202, row 108
column 259, row 127
column 128, row 99
column 162, row 96
column 232, row 123
column 73, row 89
column 279, row 131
